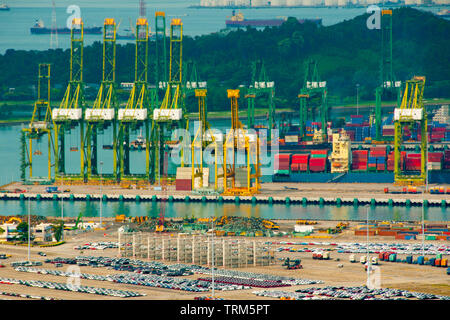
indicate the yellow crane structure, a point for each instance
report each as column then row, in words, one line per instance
column 244, row 169
column 70, row 112
column 411, row 112
column 201, row 139
column 135, row 115
column 172, row 111
column 103, row 112
column 41, row 123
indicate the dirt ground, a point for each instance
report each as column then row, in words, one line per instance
column 308, row 190
column 393, row 275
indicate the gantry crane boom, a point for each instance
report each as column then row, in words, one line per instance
column 41, row 123
column 136, row 113
column 103, row 112
column 260, row 85
column 238, row 141
column 411, row 112
column 313, row 88
column 387, row 81
column 172, row 111
column 71, row 110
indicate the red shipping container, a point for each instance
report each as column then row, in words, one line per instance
column 303, row 167
column 319, row 151
column 300, row 158
column 183, row 185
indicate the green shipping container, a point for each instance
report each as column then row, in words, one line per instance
column 430, row 237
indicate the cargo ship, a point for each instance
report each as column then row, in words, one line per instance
column 237, row 20
column 365, row 162
column 39, row 28
column 4, row 7
column 444, row 13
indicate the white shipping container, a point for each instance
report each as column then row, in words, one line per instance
column 132, row 114
column 291, row 139
column 167, row 114
column 434, row 166
column 103, row 114
column 303, row 228
column 414, row 114
column 66, row 114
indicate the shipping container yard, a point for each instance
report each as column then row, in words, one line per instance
column 141, row 194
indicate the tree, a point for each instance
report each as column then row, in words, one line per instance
column 58, row 230
column 22, row 230
column 1, row 230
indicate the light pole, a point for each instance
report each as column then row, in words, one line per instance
column 101, row 196
column 357, row 98
column 29, row 228
column 368, row 251
column 213, row 258
column 62, row 208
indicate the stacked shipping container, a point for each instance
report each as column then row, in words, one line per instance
column 377, row 158
column 299, row 162
column 318, row 160
column 284, row 161
column 360, row 160
column 413, row 162
column 435, row 160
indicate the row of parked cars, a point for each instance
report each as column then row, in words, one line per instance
column 97, row 246
column 255, row 276
column 24, row 295
column 354, row 247
column 190, row 285
column 365, row 293
column 70, row 287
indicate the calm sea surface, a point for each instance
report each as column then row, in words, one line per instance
column 15, row 24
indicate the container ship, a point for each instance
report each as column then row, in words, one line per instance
column 444, row 13
column 4, row 7
column 39, row 28
column 237, row 20
column 362, row 162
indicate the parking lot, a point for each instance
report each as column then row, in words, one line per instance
column 109, row 276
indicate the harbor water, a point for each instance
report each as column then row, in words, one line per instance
column 91, row 208
column 15, row 24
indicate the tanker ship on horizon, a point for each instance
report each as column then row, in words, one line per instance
column 237, row 20
column 39, row 28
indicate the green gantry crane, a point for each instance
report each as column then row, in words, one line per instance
column 313, row 99
column 172, row 111
column 41, row 124
column 104, row 110
column 71, row 110
column 136, row 113
column 161, row 72
column 260, row 85
column 388, row 82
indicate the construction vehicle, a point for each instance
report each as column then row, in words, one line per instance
column 222, row 221
column 270, row 225
column 306, row 222
column 342, row 225
column 51, row 190
column 14, row 219
column 321, row 255
column 77, row 222
column 120, row 218
column 292, row 264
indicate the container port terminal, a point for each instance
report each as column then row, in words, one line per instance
column 398, row 160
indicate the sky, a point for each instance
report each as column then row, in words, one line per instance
column 97, row 4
